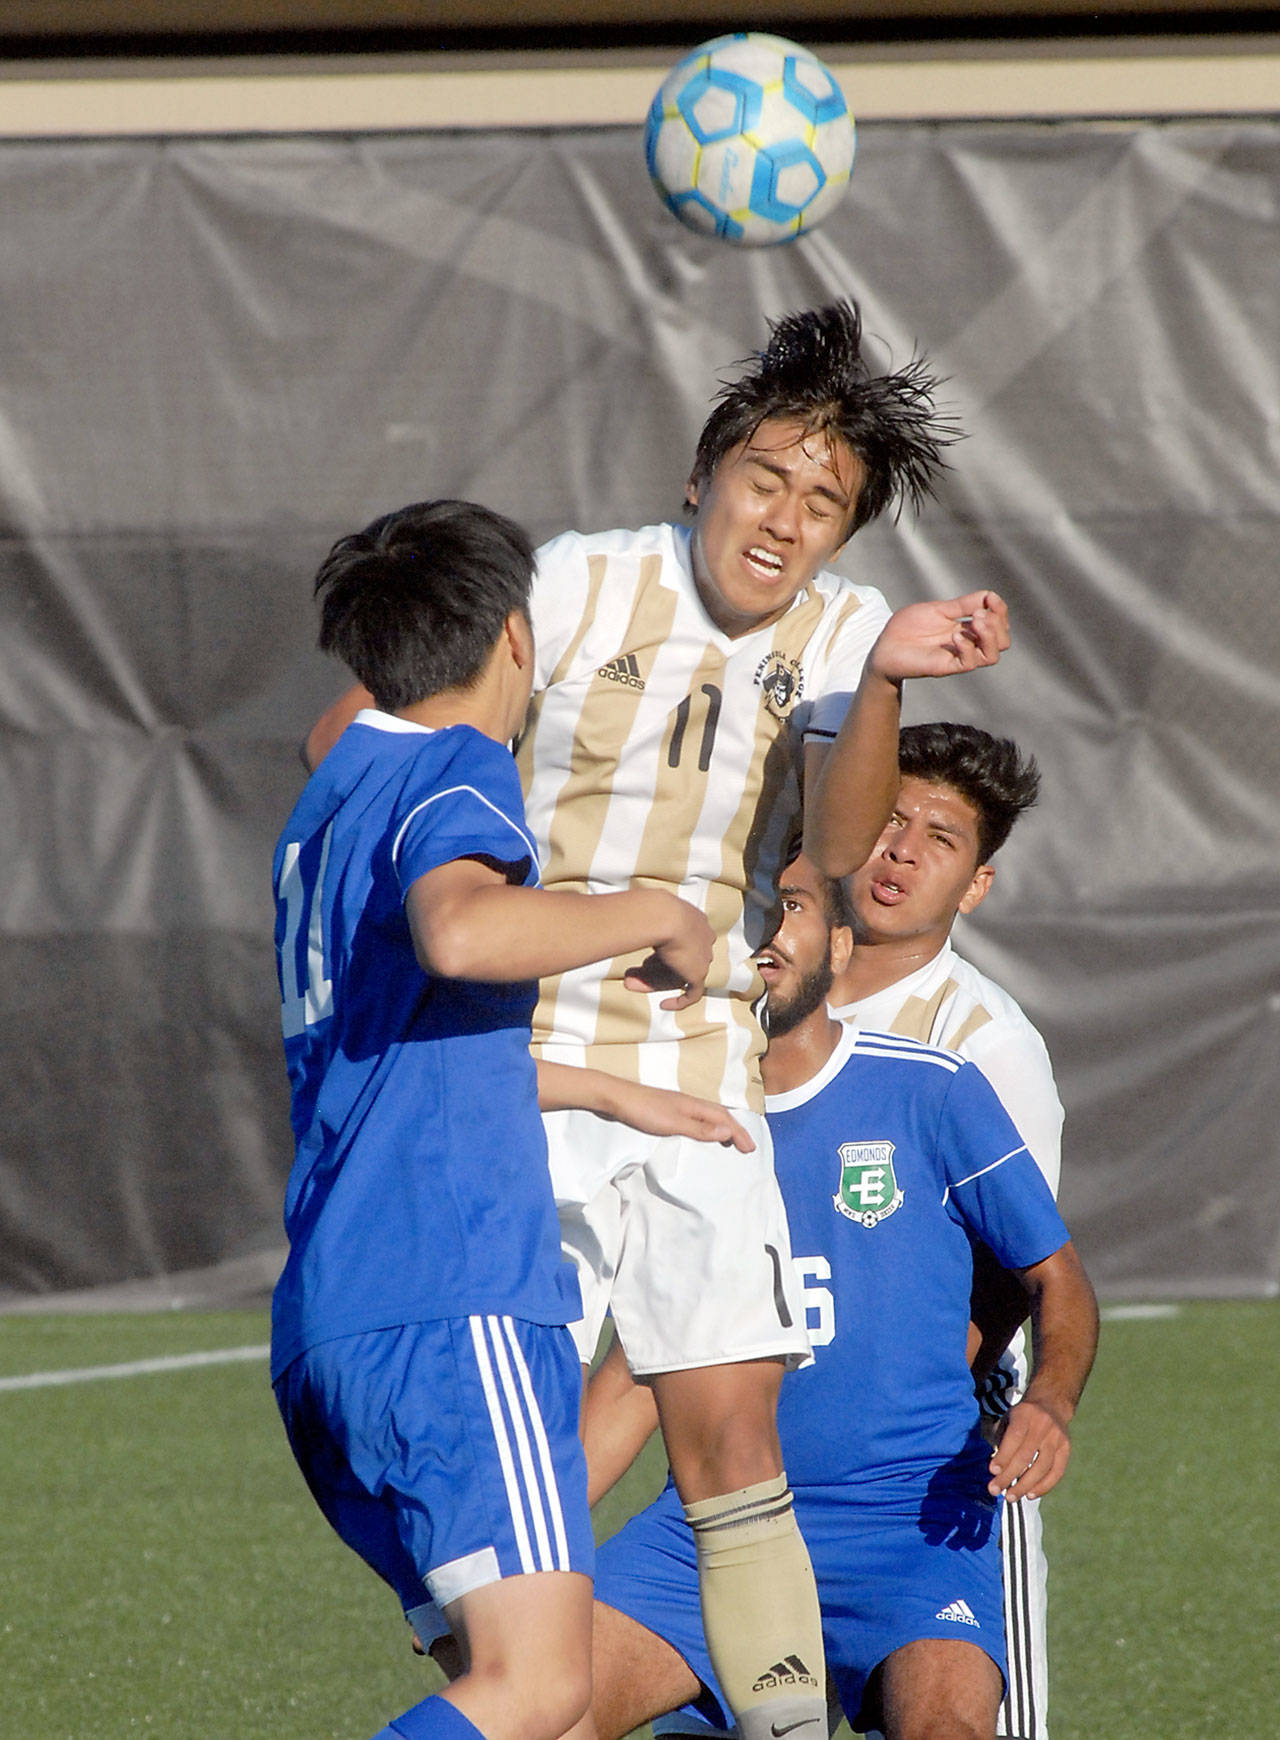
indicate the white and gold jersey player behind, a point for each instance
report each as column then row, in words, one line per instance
column 660, row 749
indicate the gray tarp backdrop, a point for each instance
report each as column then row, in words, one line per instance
column 216, row 356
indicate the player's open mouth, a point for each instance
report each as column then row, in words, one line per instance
column 769, row 963
column 887, row 893
column 763, row 562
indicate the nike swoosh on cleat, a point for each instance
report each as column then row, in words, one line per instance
column 786, row 1728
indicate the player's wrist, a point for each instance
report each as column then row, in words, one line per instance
column 1059, row 1404
column 676, row 921
column 881, row 679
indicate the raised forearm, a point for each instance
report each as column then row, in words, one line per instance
column 850, row 788
column 851, row 798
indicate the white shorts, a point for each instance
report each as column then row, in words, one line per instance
column 685, row 1242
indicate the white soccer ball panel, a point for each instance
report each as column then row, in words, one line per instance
column 724, row 175
column 833, row 143
column 674, row 157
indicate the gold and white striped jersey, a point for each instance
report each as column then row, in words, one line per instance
column 660, row 751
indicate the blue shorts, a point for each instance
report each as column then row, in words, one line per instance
column 445, row 1453
column 894, row 1563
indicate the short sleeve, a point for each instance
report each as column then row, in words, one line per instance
column 473, row 809
column 993, row 1184
column 561, row 583
column 851, row 643
column 1016, row 1063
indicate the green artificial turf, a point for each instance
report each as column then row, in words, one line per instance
column 1164, row 1539
column 163, row 1570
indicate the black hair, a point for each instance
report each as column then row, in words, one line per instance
column 991, row 772
column 813, row 371
column 414, row 603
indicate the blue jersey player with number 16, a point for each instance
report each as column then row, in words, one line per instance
column 420, row 1356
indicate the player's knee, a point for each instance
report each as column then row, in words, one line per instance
column 725, row 1451
column 548, row 1695
column 940, row 1724
column 560, row 1706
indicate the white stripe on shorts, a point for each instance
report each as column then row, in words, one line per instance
column 524, row 1497
column 1022, row 1715
column 539, row 1430
column 528, row 1474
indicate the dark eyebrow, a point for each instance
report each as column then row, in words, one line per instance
column 758, row 456
column 953, row 830
column 789, row 890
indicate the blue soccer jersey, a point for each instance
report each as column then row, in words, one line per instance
column 420, row 1187
column 891, row 1160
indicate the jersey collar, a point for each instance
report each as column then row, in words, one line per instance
column 808, row 1090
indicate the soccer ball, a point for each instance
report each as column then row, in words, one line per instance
column 749, row 139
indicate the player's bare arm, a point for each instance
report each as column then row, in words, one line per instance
column 657, row 1111
column 469, row 922
column 998, row 1307
column 1034, row 1450
column 850, row 788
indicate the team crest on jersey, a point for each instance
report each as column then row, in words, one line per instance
column 782, row 680
column 868, row 1190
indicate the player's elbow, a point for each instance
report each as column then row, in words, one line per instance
column 449, row 943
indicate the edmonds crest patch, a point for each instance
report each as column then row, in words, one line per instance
column 782, row 680
column 868, row 1190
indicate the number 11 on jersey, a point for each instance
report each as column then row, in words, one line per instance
column 304, row 1001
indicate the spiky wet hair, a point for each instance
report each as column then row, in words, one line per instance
column 812, row 372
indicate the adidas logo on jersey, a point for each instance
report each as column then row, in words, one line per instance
column 623, row 669
column 961, row 1612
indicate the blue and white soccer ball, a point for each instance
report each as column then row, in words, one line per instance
column 749, row 138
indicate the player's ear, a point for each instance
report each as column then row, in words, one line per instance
column 519, row 633
column 692, row 490
column 976, row 892
column 841, row 946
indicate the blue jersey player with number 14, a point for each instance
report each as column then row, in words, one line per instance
column 420, row 1356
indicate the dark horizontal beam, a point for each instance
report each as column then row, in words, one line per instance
column 62, row 29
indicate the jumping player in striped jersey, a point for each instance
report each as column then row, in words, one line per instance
column 428, row 1384
column 893, row 1158
column 690, row 683
column 961, row 792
